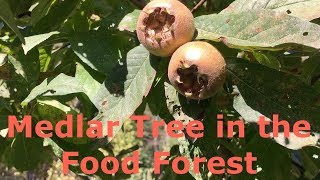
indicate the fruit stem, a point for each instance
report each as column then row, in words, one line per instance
column 200, row 3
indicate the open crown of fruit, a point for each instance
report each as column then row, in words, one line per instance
column 196, row 69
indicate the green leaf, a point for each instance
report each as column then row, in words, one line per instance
column 187, row 111
column 156, row 99
column 185, row 151
column 267, row 60
column 3, row 122
column 83, row 82
column 305, row 9
column 18, row 7
column 273, row 161
column 282, row 96
column 66, row 59
column 58, row 152
column 4, row 145
column 310, row 69
column 5, row 105
column 56, row 16
column 112, row 12
column 182, row 108
column 259, row 29
column 175, row 108
column 27, row 65
column 60, row 85
column 55, row 148
column 80, row 22
column 5, row 70
column 33, row 41
column 125, row 88
column 101, row 50
column 44, row 58
column 7, row 16
column 15, row 89
column 129, row 22
column 59, row 147
column 90, row 85
column 40, row 10
column 55, row 111
column 311, row 161
column 252, row 116
column 18, row 76
column 295, row 143
column 247, row 113
column 26, row 153
column 3, row 59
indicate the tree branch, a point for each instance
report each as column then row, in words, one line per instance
column 200, row 3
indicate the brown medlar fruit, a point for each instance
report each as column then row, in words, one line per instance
column 165, row 25
column 197, row 70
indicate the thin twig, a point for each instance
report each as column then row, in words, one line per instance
column 200, row 3
column 139, row 3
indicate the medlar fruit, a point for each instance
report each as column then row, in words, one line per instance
column 197, row 70
column 164, row 25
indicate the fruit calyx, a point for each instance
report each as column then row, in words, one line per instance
column 190, row 81
column 158, row 25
